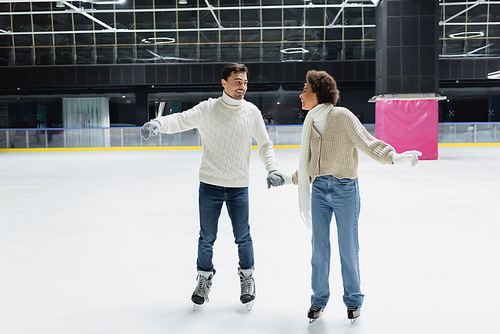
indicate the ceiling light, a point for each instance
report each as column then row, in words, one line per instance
column 59, row 4
column 105, row 2
column 158, row 40
column 467, row 34
column 294, row 50
column 183, row 2
column 494, row 75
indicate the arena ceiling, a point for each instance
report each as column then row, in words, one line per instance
column 187, row 31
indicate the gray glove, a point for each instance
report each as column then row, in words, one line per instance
column 274, row 179
column 150, row 128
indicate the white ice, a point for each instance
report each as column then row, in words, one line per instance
column 105, row 242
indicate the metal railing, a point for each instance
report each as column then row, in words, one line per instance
column 279, row 134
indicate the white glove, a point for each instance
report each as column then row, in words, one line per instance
column 408, row 156
column 150, row 128
column 286, row 177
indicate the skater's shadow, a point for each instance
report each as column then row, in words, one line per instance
column 330, row 326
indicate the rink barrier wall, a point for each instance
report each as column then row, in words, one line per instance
column 129, row 138
column 181, row 148
column 164, row 148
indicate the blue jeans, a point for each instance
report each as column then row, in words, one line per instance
column 329, row 196
column 211, row 198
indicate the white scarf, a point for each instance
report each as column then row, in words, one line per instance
column 316, row 114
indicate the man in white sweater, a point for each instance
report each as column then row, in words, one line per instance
column 226, row 126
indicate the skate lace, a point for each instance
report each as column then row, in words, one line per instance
column 315, row 308
column 202, row 286
column 246, row 285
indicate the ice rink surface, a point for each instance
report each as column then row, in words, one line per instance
column 105, row 243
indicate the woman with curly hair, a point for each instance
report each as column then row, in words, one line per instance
column 331, row 137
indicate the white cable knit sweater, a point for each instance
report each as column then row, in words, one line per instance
column 226, row 127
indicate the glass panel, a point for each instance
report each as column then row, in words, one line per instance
column 189, row 138
column 250, row 36
column 486, row 133
column 271, row 52
column 250, row 18
column 271, row 18
column 286, row 135
column 17, row 138
column 252, row 53
column 44, row 56
column 172, row 139
column 43, row 40
column 37, row 138
column 208, row 52
column 353, row 33
column 125, row 38
column 131, row 137
column 229, row 53
column 333, row 51
column 5, row 55
column 115, row 137
column 3, row 139
column 105, row 54
column 353, row 50
column 188, row 37
column 55, row 138
column 446, row 133
column 230, row 36
column 84, row 39
column 188, row 54
column 105, row 39
column 23, row 40
column 85, row 55
column 274, row 35
column 125, row 54
column 63, row 39
column 24, row 57
column 464, row 133
column 64, row 56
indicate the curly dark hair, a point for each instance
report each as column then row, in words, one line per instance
column 323, row 85
column 231, row 68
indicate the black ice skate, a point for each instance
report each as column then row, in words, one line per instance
column 353, row 313
column 314, row 313
column 247, row 282
column 200, row 294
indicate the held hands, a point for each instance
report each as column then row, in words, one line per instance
column 274, row 179
column 283, row 179
column 408, row 156
column 150, row 128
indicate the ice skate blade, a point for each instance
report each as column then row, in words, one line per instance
column 249, row 305
column 313, row 320
column 196, row 307
column 353, row 321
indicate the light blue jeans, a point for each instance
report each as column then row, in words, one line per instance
column 329, row 196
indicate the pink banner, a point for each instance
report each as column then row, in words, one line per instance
column 409, row 125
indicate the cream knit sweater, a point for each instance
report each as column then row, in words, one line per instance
column 335, row 152
column 226, row 128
